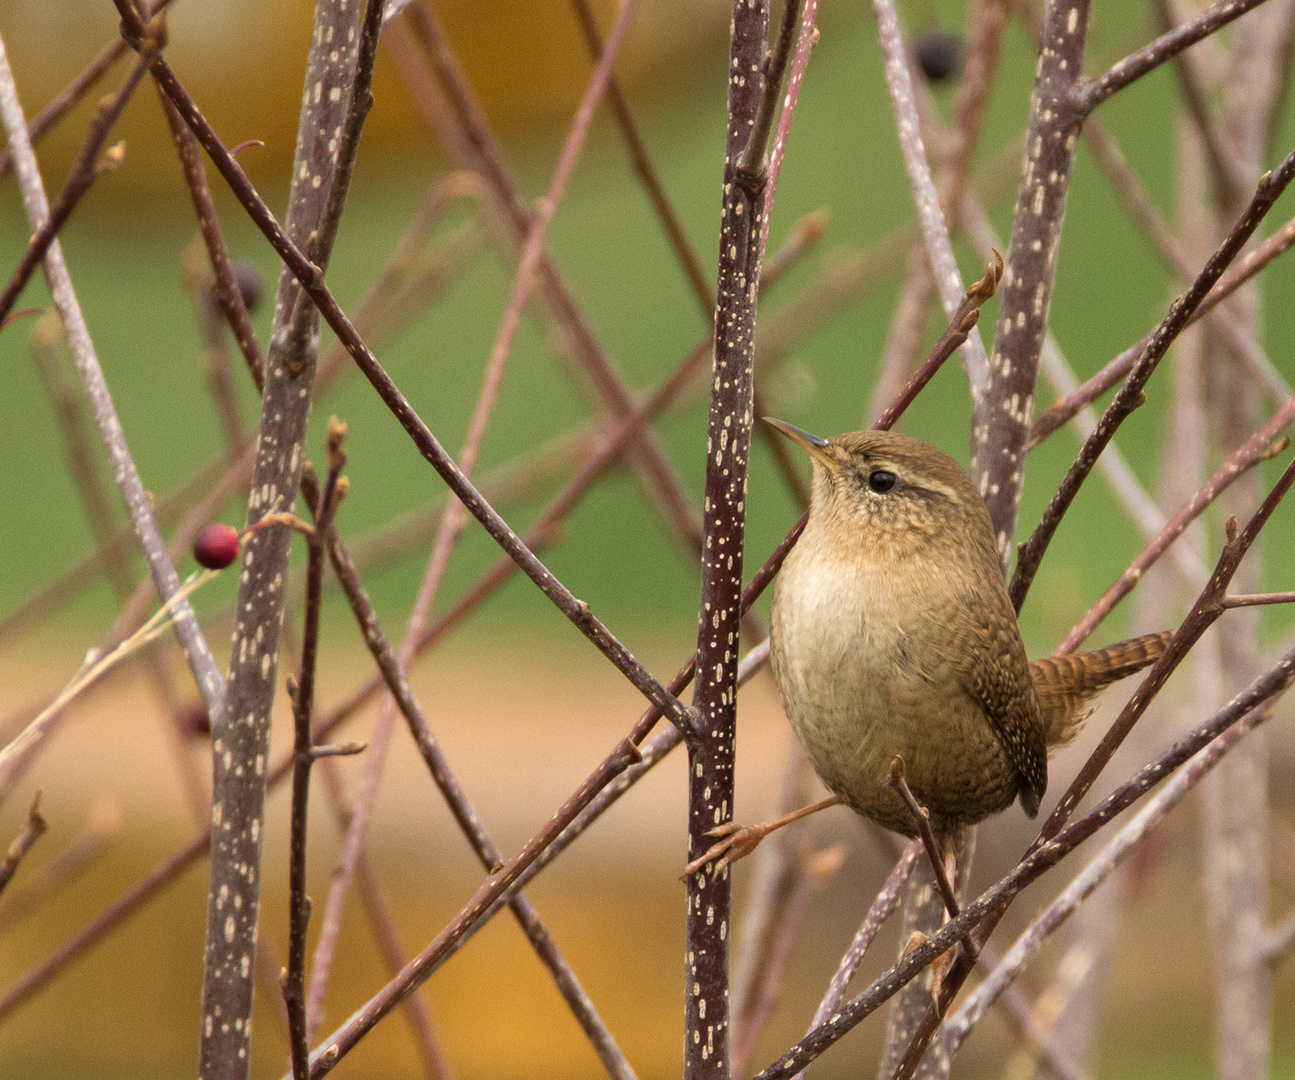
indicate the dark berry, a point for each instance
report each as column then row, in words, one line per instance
column 939, row 54
column 216, row 546
column 249, row 284
column 194, row 721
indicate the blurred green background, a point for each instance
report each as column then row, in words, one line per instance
column 528, row 64
column 124, row 248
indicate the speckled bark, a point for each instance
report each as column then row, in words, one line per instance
column 924, row 913
column 1000, row 425
column 240, row 740
column 710, row 759
column 1236, row 795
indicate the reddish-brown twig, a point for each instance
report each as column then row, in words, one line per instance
column 1242, row 271
column 1262, row 446
column 1130, row 396
column 1090, row 93
column 302, row 692
column 1117, row 849
column 455, row 518
column 87, row 169
column 989, row 905
column 886, row 900
column 461, row 125
column 815, row 872
column 103, row 824
column 306, row 273
column 227, row 293
column 138, row 505
column 73, row 92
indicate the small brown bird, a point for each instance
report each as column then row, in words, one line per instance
column 893, row 635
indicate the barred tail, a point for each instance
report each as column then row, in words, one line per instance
column 1066, row 686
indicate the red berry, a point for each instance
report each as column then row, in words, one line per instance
column 216, row 546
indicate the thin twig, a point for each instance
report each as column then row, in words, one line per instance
column 1130, row 396
column 462, row 127
column 385, row 936
column 1242, row 271
column 816, row 872
column 886, row 900
column 393, row 673
column 1090, row 93
column 1262, row 446
column 33, row 829
column 84, row 172
column 302, row 691
column 227, row 292
column 1129, row 188
column 935, row 233
column 454, row 517
column 49, row 116
column 1118, row 848
column 1223, row 166
column 103, row 824
column 964, row 319
column 95, row 496
column 994, row 901
column 138, row 506
column 1258, row 599
column 575, row 610
column 685, row 254
column 934, row 853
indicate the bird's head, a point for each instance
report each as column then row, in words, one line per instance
column 881, row 480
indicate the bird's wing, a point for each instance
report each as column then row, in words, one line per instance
column 999, row 681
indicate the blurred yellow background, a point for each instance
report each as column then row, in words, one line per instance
column 243, row 61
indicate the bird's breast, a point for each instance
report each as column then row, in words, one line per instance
column 865, row 674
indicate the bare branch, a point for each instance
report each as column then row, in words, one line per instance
column 33, row 829
column 1116, row 851
column 138, row 505
column 935, row 233
column 87, row 169
column 393, row 672
column 989, row 905
column 1130, row 396
column 1092, row 92
column 1244, row 269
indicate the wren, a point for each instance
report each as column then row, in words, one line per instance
column 893, row 635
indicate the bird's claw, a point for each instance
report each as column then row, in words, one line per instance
column 734, row 842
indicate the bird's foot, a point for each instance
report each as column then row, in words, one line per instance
column 737, row 841
column 734, row 842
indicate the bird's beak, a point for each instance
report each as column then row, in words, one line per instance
column 818, row 447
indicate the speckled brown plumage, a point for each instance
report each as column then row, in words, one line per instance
column 893, row 635
column 1067, row 686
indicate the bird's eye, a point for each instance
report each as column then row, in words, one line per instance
column 881, row 481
